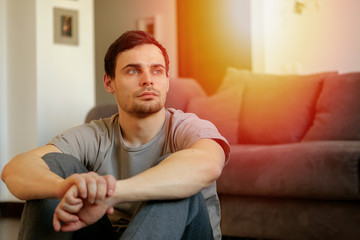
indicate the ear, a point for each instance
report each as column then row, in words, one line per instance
column 108, row 84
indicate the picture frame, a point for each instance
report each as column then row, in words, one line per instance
column 66, row 26
column 150, row 25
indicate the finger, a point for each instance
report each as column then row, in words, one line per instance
column 72, row 201
column 110, row 211
column 80, row 182
column 91, row 188
column 72, row 196
column 110, row 184
column 56, row 223
column 73, row 226
column 72, row 208
column 101, row 190
column 65, row 216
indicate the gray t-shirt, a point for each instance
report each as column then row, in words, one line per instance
column 100, row 147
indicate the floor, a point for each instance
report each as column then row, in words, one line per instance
column 9, row 228
column 10, row 214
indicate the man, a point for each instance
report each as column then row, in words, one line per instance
column 147, row 164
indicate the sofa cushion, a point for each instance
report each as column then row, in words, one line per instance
column 222, row 109
column 181, row 90
column 277, row 108
column 318, row 170
column 337, row 110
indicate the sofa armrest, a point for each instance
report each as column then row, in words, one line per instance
column 319, row 170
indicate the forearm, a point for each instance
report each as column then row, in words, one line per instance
column 28, row 177
column 181, row 175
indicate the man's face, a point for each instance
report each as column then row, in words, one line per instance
column 140, row 83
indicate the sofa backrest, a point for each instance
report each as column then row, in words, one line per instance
column 181, row 91
column 251, row 108
column 278, row 109
column 337, row 110
column 101, row 111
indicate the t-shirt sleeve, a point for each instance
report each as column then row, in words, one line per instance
column 83, row 142
column 189, row 129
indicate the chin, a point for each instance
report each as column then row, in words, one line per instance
column 147, row 109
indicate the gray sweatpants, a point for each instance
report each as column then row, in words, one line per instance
column 175, row 219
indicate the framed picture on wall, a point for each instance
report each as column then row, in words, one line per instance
column 150, row 25
column 66, row 26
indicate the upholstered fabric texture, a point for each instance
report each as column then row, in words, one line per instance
column 337, row 110
column 287, row 218
column 277, row 109
column 316, row 170
column 102, row 111
column 222, row 109
column 181, row 90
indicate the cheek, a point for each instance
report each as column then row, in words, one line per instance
column 121, row 92
column 164, row 85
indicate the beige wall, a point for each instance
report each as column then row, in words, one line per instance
column 45, row 87
column 19, row 80
column 65, row 73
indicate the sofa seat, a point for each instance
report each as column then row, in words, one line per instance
column 311, row 170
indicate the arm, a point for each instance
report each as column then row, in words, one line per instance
column 180, row 175
column 27, row 176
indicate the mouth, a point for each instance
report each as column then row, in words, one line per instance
column 145, row 94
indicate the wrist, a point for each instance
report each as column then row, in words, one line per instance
column 60, row 188
column 115, row 197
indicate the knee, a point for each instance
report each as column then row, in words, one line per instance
column 198, row 205
column 63, row 164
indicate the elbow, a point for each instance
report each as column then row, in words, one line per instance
column 4, row 174
column 8, row 179
column 216, row 172
column 213, row 172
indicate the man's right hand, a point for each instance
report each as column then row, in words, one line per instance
column 91, row 186
column 83, row 203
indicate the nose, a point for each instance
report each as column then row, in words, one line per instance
column 146, row 79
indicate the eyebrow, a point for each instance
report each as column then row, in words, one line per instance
column 137, row 65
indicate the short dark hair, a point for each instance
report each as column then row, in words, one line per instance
column 129, row 40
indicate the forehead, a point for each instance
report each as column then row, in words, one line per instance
column 143, row 54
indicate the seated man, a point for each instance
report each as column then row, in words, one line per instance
column 145, row 173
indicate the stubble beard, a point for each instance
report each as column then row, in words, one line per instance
column 143, row 108
column 146, row 108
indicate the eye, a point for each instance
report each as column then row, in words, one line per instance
column 133, row 71
column 158, row 71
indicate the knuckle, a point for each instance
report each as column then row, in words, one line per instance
column 101, row 181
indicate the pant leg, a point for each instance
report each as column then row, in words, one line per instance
column 176, row 219
column 36, row 219
column 198, row 221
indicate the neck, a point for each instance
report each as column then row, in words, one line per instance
column 138, row 130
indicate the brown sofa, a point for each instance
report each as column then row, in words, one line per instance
column 294, row 167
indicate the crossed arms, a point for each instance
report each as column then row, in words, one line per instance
column 85, row 198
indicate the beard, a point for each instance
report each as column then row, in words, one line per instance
column 143, row 108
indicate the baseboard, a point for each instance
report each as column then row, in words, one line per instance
column 11, row 209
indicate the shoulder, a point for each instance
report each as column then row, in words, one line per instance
column 178, row 117
column 88, row 132
column 189, row 128
column 104, row 125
